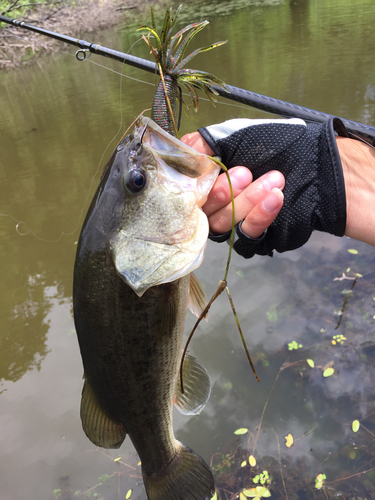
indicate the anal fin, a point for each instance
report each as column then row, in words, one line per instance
column 98, row 427
column 197, row 387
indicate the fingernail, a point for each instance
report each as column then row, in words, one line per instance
column 273, row 201
column 273, row 180
column 240, row 178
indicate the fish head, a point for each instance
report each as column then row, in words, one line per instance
column 162, row 231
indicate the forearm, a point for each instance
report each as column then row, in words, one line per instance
column 358, row 164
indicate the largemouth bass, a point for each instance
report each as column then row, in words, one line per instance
column 142, row 237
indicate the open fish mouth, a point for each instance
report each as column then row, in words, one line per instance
column 163, row 232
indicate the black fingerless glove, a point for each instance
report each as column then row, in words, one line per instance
column 307, row 155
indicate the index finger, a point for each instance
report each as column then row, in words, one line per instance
column 220, row 196
column 196, row 141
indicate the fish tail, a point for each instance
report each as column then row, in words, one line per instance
column 187, row 477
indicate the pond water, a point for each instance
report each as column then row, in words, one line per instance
column 59, row 121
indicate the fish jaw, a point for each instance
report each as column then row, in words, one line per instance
column 163, row 232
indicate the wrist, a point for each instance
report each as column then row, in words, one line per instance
column 358, row 164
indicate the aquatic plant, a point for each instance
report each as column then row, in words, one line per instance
column 319, row 481
column 294, row 345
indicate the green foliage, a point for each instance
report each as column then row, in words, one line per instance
column 337, row 339
column 103, row 478
column 328, row 372
column 56, row 493
column 319, row 481
column 294, row 346
column 242, row 430
column 355, row 425
column 262, row 478
column 19, row 8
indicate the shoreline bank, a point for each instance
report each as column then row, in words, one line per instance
column 19, row 47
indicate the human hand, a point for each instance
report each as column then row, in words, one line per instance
column 256, row 203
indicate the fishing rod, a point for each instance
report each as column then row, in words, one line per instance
column 258, row 101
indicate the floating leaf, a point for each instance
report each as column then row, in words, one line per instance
column 310, row 362
column 258, row 492
column 128, row 494
column 263, row 492
column 252, row 461
column 250, row 492
column 214, row 497
column 328, row 372
column 240, row 431
column 348, row 270
column 289, row 440
column 353, row 251
column 319, row 481
column 242, row 496
column 117, row 459
column 359, row 275
column 243, row 463
column 355, row 425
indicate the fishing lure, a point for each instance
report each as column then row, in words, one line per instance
column 169, row 51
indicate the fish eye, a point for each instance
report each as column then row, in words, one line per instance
column 135, row 181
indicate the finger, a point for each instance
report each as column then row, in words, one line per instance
column 220, row 195
column 221, row 220
column 196, row 141
column 263, row 214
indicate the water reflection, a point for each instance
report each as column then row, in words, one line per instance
column 55, row 122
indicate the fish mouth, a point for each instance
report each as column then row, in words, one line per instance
column 163, row 232
column 174, row 153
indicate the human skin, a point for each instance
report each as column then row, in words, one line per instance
column 256, row 203
column 358, row 165
column 259, row 202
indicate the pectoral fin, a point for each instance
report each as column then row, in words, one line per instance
column 98, row 427
column 197, row 388
column 197, row 297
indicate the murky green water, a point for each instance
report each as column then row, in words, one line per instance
column 57, row 120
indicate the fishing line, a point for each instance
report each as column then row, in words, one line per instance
column 123, row 75
column 62, row 234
